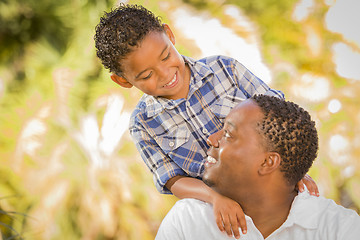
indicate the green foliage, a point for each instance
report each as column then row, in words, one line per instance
column 53, row 185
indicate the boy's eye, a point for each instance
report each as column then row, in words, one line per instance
column 167, row 57
column 148, row 76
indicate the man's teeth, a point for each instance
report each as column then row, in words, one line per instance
column 210, row 159
column 171, row 82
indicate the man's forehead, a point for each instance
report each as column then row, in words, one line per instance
column 246, row 111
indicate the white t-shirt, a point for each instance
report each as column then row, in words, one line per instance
column 310, row 218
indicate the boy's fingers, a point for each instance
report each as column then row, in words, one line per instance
column 310, row 185
column 300, row 186
column 242, row 222
column 227, row 225
column 219, row 223
column 234, row 226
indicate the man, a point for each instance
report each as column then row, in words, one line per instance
column 266, row 146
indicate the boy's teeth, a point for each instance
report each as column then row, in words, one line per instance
column 171, row 82
column 210, row 159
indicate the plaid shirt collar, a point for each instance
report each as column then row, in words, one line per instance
column 155, row 105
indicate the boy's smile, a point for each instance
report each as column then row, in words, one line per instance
column 156, row 68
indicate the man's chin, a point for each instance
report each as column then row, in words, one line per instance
column 208, row 182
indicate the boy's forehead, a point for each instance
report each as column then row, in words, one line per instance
column 152, row 46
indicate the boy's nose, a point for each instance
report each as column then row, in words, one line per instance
column 163, row 72
column 214, row 139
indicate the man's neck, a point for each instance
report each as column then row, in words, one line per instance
column 269, row 212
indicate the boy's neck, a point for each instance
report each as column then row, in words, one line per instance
column 185, row 91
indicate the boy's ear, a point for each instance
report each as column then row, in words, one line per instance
column 121, row 81
column 169, row 33
column 270, row 163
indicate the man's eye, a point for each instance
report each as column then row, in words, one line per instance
column 226, row 134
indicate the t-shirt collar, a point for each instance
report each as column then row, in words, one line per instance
column 304, row 211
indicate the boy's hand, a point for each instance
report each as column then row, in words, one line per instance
column 229, row 216
column 310, row 184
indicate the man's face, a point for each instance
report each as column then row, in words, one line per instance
column 235, row 162
column 156, row 68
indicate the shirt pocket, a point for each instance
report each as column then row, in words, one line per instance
column 173, row 140
column 222, row 107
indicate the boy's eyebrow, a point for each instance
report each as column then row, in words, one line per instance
column 166, row 47
column 137, row 76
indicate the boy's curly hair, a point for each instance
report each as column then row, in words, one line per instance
column 120, row 31
column 288, row 130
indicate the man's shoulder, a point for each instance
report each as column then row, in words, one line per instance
column 336, row 220
column 325, row 207
column 191, row 210
column 324, row 215
column 332, row 210
column 190, row 219
column 191, row 204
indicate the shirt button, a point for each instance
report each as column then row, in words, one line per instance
column 171, row 144
column 205, row 131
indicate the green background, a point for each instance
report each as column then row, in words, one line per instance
column 62, row 175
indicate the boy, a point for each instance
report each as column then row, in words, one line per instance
column 184, row 102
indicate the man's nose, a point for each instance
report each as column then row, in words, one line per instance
column 214, row 139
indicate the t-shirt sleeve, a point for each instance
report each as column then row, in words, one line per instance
column 251, row 84
column 171, row 226
column 350, row 226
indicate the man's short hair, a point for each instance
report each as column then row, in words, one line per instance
column 288, row 130
column 120, row 31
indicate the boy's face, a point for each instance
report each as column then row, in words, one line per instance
column 156, row 68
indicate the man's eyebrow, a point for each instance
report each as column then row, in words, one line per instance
column 233, row 125
column 138, row 75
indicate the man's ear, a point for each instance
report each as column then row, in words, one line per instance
column 169, row 33
column 121, row 81
column 270, row 163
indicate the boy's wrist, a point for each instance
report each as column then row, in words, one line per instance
column 213, row 196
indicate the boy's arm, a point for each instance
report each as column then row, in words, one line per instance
column 160, row 165
column 228, row 213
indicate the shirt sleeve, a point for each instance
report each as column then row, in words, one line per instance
column 162, row 167
column 251, row 84
column 171, row 226
column 350, row 225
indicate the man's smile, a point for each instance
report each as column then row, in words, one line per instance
column 210, row 161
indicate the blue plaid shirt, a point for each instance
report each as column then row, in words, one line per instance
column 171, row 134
